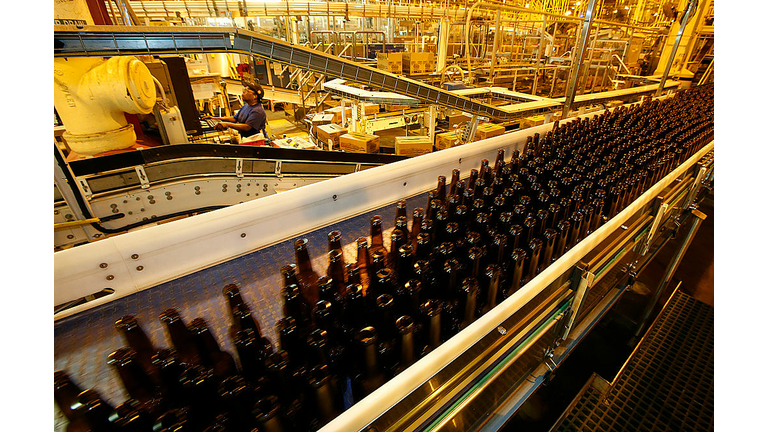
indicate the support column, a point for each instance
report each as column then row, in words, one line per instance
column 431, row 122
column 442, row 44
column 570, row 94
column 672, row 268
column 691, row 4
column 496, row 44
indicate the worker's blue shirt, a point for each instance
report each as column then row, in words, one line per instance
column 255, row 116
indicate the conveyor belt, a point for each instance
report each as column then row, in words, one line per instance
column 72, row 41
column 666, row 385
column 100, row 41
column 198, row 295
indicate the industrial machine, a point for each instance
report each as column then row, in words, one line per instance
column 249, row 204
column 474, row 381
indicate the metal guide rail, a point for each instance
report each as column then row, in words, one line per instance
column 491, row 375
column 75, row 41
column 130, row 189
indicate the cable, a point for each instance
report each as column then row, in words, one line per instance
column 104, row 230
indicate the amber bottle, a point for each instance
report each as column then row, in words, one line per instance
column 180, row 337
column 211, row 355
column 306, row 274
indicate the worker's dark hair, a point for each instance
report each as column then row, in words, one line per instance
column 256, row 89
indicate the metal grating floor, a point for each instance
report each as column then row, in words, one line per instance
column 666, row 385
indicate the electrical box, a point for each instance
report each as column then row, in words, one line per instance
column 171, row 125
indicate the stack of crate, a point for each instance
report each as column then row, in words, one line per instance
column 390, row 62
column 419, row 63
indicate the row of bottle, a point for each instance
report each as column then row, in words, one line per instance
column 349, row 329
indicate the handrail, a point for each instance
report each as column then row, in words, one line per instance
column 621, row 63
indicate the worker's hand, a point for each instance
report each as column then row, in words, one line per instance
column 221, row 126
column 206, row 117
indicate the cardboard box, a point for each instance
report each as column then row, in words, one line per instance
column 330, row 134
column 447, row 140
column 390, row 62
column 457, row 119
column 370, row 108
column 396, row 107
column 488, row 130
column 337, row 113
column 538, row 120
column 359, row 142
column 320, row 119
column 418, row 62
column 413, row 146
column 294, row 143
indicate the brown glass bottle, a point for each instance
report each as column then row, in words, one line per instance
column 401, row 223
column 170, row 369
column 405, row 262
column 238, row 397
column 334, row 240
column 401, row 210
column 65, row 393
column 174, row 420
column 548, row 248
column 268, row 414
column 93, row 411
column 518, row 260
column 468, row 293
column 244, row 319
column 135, row 337
column 130, row 416
column 406, row 329
column 325, row 398
column 440, row 189
column 306, row 274
column 369, row 376
column 135, row 380
column 180, row 337
column 336, row 270
column 377, row 236
column 490, row 287
column 294, row 305
column 430, row 312
column 363, row 262
column 211, row 355
column 292, row 341
column 397, row 239
column 383, row 283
